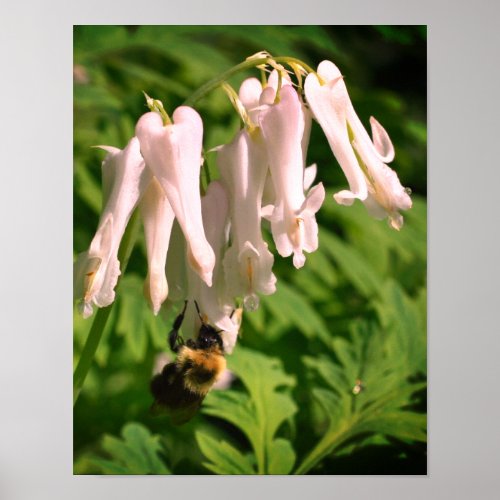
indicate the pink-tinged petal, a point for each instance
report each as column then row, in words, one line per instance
column 382, row 141
column 273, row 80
column 158, row 217
column 248, row 262
column 345, row 197
column 249, row 271
column 210, row 300
column 267, row 212
column 374, row 208
column 173, row 153
column 309, row 175
column 328, row 105
column 307, row 132
column 310, row 242
column 314, row 200
column 125, row 178
column 333, row 109
column 282, row 127
column 279, row 229
column 299, row 259
column 267, row 97
column 249, row 93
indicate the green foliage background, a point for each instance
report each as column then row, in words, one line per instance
column 356, row 311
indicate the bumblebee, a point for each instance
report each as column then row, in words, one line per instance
column 183, row 384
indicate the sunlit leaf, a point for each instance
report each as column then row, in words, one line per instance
column 224, row 458
column 136, row 452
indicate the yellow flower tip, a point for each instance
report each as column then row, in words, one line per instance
column 149, row 100
column 263, row 54
column 238, row 105
column 157, row 106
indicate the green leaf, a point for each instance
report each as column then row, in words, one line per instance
column 404, row 425
column 295, row 310
column 236, row 408
column 137, row 452
column 402, row 316
column 260, row 413
column 87, row 188
column 224, row 458
column 379, row 405
column 130, row 322
column 355, row 267
column 157, row 328
column 281, row 457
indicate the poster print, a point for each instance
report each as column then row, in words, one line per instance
column 250, row 250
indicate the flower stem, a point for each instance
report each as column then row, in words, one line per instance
column 102, row 315
column 248, row 64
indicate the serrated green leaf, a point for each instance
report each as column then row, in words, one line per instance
column 135, row 453
column 109, row 467
column 399, row 314
column 401, row 425
column 236, row 408
column 355, row 267
column 368, row 356
column 260, row 413
column 224, row 458
column 294, row 309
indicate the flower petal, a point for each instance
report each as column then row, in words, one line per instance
column 309, row 175
column 247, row 263
column 283, row 128
column 314, row 200
column 125, row 178
column 328, row 104
column 173, row 153
column 158, row 217
column 249, row 95
column 381, row 141
column 210, row 299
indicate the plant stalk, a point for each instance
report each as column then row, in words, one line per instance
column 248, row 64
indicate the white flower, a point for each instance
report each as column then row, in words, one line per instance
column 173, row 153
column 96, row 271
column 248, row 262
column 361, row 159
column 293, row 221
column 158, row 217
column 214, row 307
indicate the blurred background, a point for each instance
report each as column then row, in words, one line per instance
column 329, row 376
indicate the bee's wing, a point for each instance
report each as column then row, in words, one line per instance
column 172, row 398
column 183, row 414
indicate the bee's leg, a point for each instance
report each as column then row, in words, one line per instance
column 199, row 313
column 174, row 339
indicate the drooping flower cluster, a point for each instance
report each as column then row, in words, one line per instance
column 210, row 249
column 361, row 158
